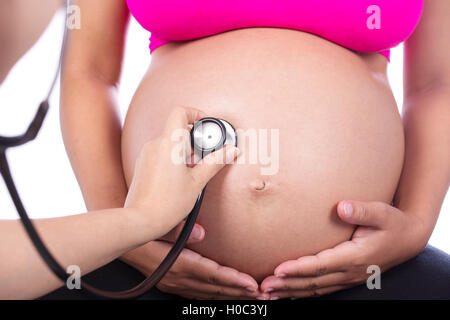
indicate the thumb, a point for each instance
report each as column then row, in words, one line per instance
column 370, row 214
column 210, row 165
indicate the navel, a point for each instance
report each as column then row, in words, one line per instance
column 259, row 185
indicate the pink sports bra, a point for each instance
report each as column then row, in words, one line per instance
column 359, row 25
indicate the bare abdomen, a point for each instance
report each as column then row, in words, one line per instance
column 340, row 137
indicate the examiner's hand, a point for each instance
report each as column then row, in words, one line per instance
column 164, row 189
column 196, row 277
column 385, row 236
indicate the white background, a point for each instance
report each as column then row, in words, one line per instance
column 42, row 170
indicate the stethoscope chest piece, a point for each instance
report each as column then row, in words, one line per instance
column 211, row 134
column 207, row 135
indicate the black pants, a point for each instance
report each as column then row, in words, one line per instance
column 426, row 276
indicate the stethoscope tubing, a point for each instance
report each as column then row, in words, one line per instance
column 48, row 258
column 163, row 268
column 30, row 134
column 59, row 271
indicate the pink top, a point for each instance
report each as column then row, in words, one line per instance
column 359, row 25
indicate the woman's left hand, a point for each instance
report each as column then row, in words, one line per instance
column 385, row 237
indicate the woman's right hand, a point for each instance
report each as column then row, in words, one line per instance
column 196, row 277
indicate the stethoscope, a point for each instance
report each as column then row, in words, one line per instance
column 207, row 135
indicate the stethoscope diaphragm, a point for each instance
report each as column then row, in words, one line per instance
column 211, row 134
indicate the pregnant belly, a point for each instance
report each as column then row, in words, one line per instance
column 333, row 133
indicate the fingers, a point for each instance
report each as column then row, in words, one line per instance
column 282, row 288
column 372, row 214
column 206, row 169
column 209, row 291
column 275, row 284
column 199, row 295
column 308, row 293
column 212, row 273
column 197, row 234
column 197, row 277
column 327, row 261
column 181, row 117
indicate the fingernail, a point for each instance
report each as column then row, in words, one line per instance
column 280, row 275
column 274, row 298
column 268, row 290
column 348, row 209
column 251, row 289
column 262, row 298
column 198, row 233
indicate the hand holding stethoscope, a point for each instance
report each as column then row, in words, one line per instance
column 161, row 195
column 167, row 189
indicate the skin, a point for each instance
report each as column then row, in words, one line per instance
column 422, row 188
column 21, row 24
column 96, row 137
column 300, row 198
column 99, row 237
